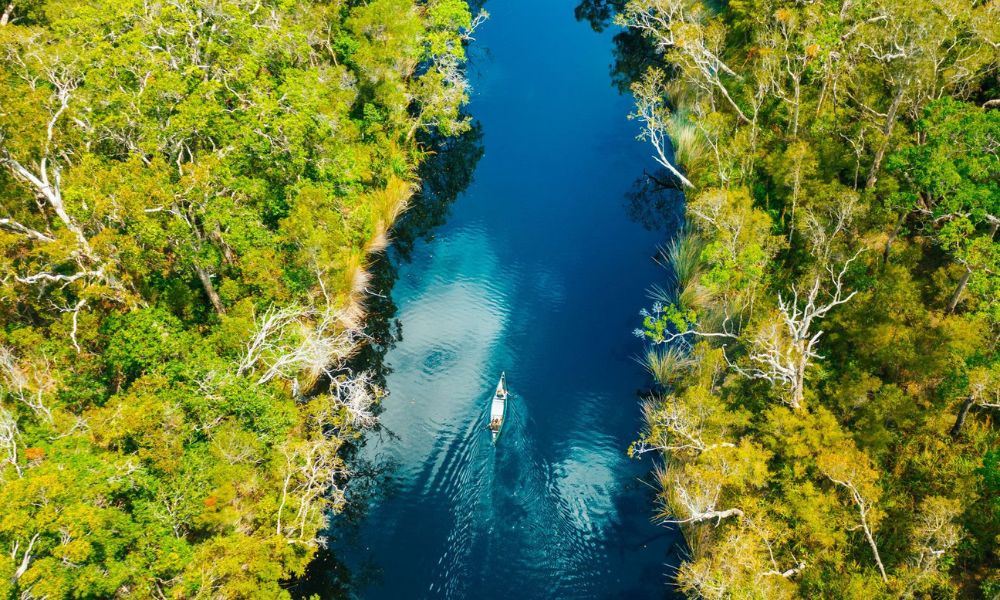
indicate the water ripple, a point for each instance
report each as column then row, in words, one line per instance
column 539, row 273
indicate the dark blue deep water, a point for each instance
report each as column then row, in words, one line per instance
column 538, row 271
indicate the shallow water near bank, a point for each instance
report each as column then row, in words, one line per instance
column 539, row 272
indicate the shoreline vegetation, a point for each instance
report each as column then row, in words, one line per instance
column 825, row 348
column 190, row 191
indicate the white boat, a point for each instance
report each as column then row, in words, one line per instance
column 498, row 408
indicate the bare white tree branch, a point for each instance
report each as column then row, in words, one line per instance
column 863, row 509
column 28, row 385
column 781, row 353
column 8, row 438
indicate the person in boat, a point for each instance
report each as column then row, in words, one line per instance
column 495, row 424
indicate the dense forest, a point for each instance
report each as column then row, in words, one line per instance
column 825, row 344
column 189, row 191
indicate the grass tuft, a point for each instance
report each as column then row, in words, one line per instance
column 664, row 364
column 689, row 146
column 683, row 257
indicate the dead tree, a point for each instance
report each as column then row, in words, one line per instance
column 8, row 439
column 864, row 508
column 935, row 533
column 357, row 394
column 298, row 341
column 781, row 353
column 693, row 492
column 312, row 469
column 655, row 118
column 665, row 22
column 42, row 175
column 675, row 428
column 26, row 557
column 26, row 382
column 984, row 392
column 698, row 500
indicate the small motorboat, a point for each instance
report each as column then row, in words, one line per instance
column 498, row 408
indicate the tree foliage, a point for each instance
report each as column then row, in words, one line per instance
column 825, row 411
column 188, row 193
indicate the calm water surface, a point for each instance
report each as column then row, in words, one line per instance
column 538, row 272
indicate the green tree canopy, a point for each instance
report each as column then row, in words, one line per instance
column 836, row 285
column 188, row 193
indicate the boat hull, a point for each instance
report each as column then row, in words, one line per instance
column 498, row 408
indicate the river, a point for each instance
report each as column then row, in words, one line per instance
column 538, row 271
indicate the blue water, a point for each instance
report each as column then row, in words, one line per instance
column 538, row 272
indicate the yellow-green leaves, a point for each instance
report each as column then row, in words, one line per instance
column 173, row 175
column 841, row 177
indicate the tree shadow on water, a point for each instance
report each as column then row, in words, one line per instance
column 633, row 52
column 445, row 174
column 656, row 201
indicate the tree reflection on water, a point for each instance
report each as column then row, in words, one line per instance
column 633, row 53
column 655, row 200
column 445, row 173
